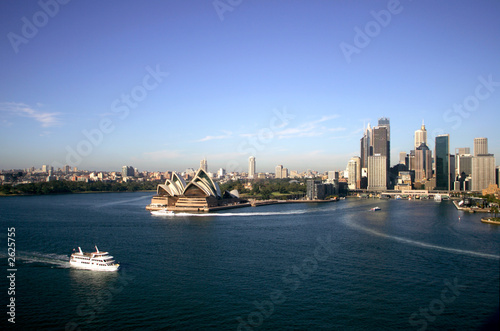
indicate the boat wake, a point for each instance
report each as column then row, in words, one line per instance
column 423, row 244
column 40, row 259
column 122, row 201
column 294, row 212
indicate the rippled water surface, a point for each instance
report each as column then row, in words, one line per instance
column 336, row 266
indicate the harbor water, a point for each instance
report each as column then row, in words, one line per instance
column 418, row 265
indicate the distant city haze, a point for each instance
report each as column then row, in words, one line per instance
column 163, row 85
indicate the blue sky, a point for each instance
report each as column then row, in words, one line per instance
column 159, row 85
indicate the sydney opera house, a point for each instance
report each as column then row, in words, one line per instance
column 201, row 194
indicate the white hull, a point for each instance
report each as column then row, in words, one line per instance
column 95, row 267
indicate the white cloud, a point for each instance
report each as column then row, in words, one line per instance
column 20, row 109
column 308, row 129
column 226, row 135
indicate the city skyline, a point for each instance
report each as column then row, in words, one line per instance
column 187, row 82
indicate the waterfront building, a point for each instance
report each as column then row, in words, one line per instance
column 251, row 167
column 483, row 171
column 200, row 194
column 204, row 165
column 404, row 181
column 423, row 163
column 354, row 171
column 316, row 190
column 377, row 172
column 420, row 136
column 442, row 161
column 480, row 146
column 278, row 173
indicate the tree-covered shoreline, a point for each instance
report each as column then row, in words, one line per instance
column 68, row 187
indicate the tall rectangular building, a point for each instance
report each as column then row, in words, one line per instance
column 423, row 163
column 386, row 123
column 204, row 165
column 480, row 146
column 354, row 170
column 251, row 167
column 420, row 136
column 366, row 146
column 483, row 171
column 442, row 162
column 377, row 172
column 278, row 173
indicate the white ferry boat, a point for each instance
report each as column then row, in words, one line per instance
column 100, row 261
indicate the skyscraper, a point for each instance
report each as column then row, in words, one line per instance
column 442, row 162
column 377, row 172
column 204, row 165
column 354, row 170
column 420, row 136
column 366, row 146
column 251, row 167
column 385, row 122
column 480, row 146
column 423, row 163
column 483, row 171
column 279, row 171
column 483, row 165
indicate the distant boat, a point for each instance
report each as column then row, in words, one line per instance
column 437, row 197
column 162, row 212
column 375, row 209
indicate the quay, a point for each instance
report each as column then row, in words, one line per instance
column 208, row 209
column 491, row 221
column 469, row 209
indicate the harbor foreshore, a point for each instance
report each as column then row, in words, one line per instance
column 471, row 210
column 252, row 203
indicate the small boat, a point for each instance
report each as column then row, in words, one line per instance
column 98, row 261
column 162, row 212
column 437, row 197
column 375, row 209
